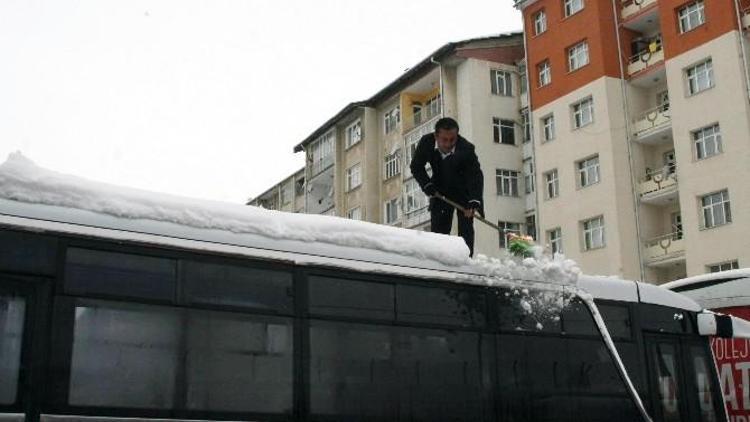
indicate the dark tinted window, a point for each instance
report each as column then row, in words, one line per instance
column 239, row 363
column 529, row 310
column 617, row 319
column 12, row 312
column 124, row 356
column 27, row 252
column 130, row 356
column 440, row 306
column 513, row 378
column 112, row 273
column 361, row 372
column 238, row 286
column 577, row 319
column 549, row 371
column 343, row 297
column 664, row 319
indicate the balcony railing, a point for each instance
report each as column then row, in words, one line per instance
column 657, row 181
column 633, row 7
column 415, row 218
column 670, row 245
column 652, row 118
column 646, row 58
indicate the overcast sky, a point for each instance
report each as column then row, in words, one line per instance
column 205, row 98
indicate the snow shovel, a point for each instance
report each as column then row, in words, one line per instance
column 478, row 216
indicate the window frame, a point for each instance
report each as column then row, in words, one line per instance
column 568, row 7
column 392, row 165
column 705, row 209
column 392, row 120
column 582, row 172
column 351, row 211
column 353, row 177
column 544, row 72
column 702, row 138
column 551, row 184
column 685, row 13
column 578, row 56
column 501, row 127
column 734, row 264
column 349, row 140
column 394, row 205
column 693, row 75
column 581, row 109
column 548, row 128
column 504, row 89
column 507, row 227
column 511, row 177
column 588, row 231
column 554, row 239
column 540, row 22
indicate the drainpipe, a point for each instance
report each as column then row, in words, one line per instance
column 532, row 133
column 742, row 47
column 629, row 141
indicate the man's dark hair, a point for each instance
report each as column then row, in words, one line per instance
column 446, row 123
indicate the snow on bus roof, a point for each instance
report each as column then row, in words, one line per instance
column 704, row 278
column 725, row 289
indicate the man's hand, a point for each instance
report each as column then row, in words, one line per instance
column 469, row 212
column 429, row 189
column 472, row 209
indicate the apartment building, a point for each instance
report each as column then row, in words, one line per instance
column 641, row 132
column 357, row 162
column 287, row 195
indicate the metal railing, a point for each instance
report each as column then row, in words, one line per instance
column 653, row 117
column 668, row 244
column 645, row 56
column 659, row 180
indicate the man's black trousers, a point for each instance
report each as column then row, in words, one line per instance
column 441, row 220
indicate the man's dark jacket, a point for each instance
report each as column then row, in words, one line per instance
column 458, row 177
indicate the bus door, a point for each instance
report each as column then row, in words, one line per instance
column 682, row 379
column 18, row 300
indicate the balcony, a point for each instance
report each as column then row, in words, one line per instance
column 654, row 126
column 634, row 10
column 659, row 187
column 412, row 137
column 644, row 61
column 664, row 250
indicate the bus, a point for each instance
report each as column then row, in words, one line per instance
column 727, row 292
column 110, row 313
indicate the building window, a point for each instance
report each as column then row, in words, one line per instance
column 691, row 16
column 588, row 172
column 572, row 7
column 524, row 78
column 700, row 77
column 583, row 113
column 504, row 131
column 392, row 120
column 526, row 125
column 593, row 234
column 321, row 153
column 540, row 22
column 416, row 200
column 552, row 183
column 507, row 182
column 507, row 228
column 548, row 128
column 528, row 176
column 578, row 56
column 353, row 177
column 554, row 238
column 545, row 73
column 531, row 226
column 724, row 266
column 353, row 134
column 392, row 165
column 502, row 83
column 716, row 210
column 707, row 141
column 354, row 213
column 432, row 107
column 391, row 211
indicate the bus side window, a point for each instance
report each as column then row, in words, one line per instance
column 529, row 310
column 229, row 285
column 665, row 320
column 617, row 318
column 434, row 305
column 577, row 319
column 12, row 311
column 27, row 253
column 344, row 297
column 93, row 272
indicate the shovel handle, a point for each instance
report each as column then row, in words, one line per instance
column 478, row 216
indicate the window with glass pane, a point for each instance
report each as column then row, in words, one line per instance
column 716, row 209
column 573, row 7
column 231, row 285
column 526, row 125
column 593, row 233
column 554, row 238
column 90, row 271
column 346, row 297
column 524, row 78
column 548, row 128
column 665, row 363
column 540, row 22
column 553, row 184
column 507, row 182
column 392, row 120
column 691, row 16
column 353, row 177
column 583, row 113
column 531, row 226
column 617, row 319
column 440, row 306
column 353, row 134
column 25, row 252
column 700, row 77
column 703, row 392
column 528, row 176
column 588, row 172
column 545, row 73
column 362, row 372
column 504, row 131
column 502, row 83
column 577, row 319
column 124, row 355
column 238, row 363
column 724, row 266
column 392, row 211
column 507, row 228
column 12, row 316
column 354, row 213
column 707, row 141
column 578, row 56
column 416, row 200
column 392, row 165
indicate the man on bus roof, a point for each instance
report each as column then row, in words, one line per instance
column 456, row 174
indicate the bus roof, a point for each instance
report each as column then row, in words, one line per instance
column 724, row 289
column 33, row 198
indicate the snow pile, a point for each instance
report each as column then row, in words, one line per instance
column 22, row 180
column 541, row 267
